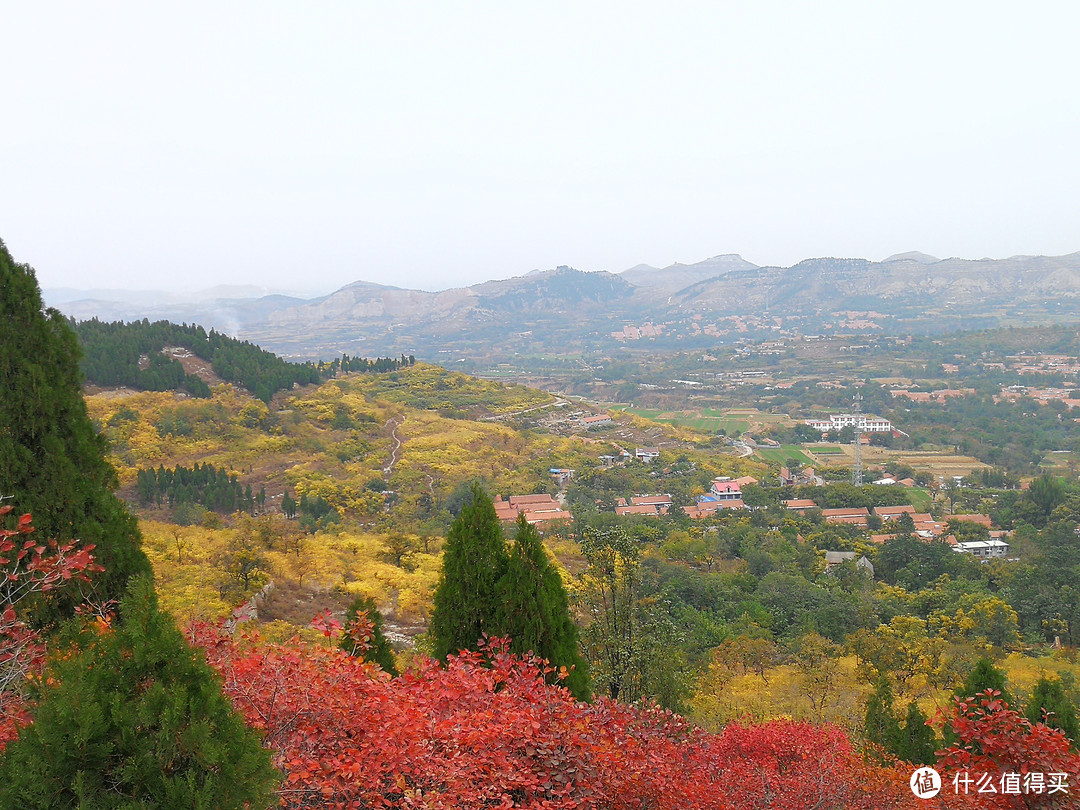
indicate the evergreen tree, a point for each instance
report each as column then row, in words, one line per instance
column 918, row 744
column 468, row 596
column 535, row 611
column 54, row 461
column 131, row 716
column 380, row 651
column 288, row 505
column 1049, row 696
column 984, row 676
column 880, row 723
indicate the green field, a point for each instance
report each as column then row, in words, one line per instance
column 832, row 450
column 780, row 455
column 707, row 421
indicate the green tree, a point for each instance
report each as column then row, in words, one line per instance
column 1046, row 492
column 379, row 649
column 131, row 716
column 880, row 724
column 467, row 598
column 54, row 461
column 634, row 648
column 535, row 612
column 982, row 677
column 917, row 744
column 1049, row 704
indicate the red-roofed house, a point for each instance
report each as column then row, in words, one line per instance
column 890, row 512
column 724, row 489
column 856, row 516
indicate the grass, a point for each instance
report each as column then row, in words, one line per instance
column 780, row 455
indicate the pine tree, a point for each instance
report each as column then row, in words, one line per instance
column 535, row 611
column 918, row 743
column 131, row 716
column 54, row 462
column 984, row 676
column 380, row 651
column 467, row 599
column 1049, row 696
column 880, row 723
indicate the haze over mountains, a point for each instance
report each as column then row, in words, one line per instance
column 566, row 311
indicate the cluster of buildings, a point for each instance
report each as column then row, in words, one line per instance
column 941, row 395
column 924, row 526
column 646, row 330
column 539, row 510
column 1044, row 396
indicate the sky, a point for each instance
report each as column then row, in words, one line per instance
column 304, row 146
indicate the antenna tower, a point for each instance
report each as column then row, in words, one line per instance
column 856, row 469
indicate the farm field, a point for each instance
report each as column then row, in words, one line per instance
column 731, row 421
column 780, row 455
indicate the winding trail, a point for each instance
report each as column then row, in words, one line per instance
column 395, row 449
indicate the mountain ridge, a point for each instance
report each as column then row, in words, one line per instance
column 569, row 311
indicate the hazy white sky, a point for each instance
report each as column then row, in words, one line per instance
column 423, row 144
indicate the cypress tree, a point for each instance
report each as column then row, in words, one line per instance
column 131, row 716
column 880, row 724
column 535, row 611
column 468, row 596
column 380, row 651
column 984, row 676
column 1049, row 695
column 918, row 743
column 53, row 461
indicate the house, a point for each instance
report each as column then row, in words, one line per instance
column 800, row 504
column 891, row 512
column 647, row 455
column 657, row 501
column 746, row 480
column 561, row 476
column 724, row 489
column 640, row 509
column 805, row 477
column 712, row 504
column 701, row 509
column 539, row 510
column 857, row 516
column 983, row 549
column 835, row 558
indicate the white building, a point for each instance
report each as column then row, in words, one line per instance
column 983, row 549
column 862, row 422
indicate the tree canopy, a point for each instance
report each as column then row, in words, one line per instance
column 54, row 461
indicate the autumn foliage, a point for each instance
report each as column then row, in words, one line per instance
column 996, row 740
column 28, row 567
column 488, row 731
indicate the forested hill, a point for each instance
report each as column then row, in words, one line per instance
column 135, row 355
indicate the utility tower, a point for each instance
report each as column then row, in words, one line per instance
column 856, row 469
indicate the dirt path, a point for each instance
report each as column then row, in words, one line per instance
column 500, row 417
column 395, row 450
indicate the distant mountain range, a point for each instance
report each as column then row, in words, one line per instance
column 570, row 312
